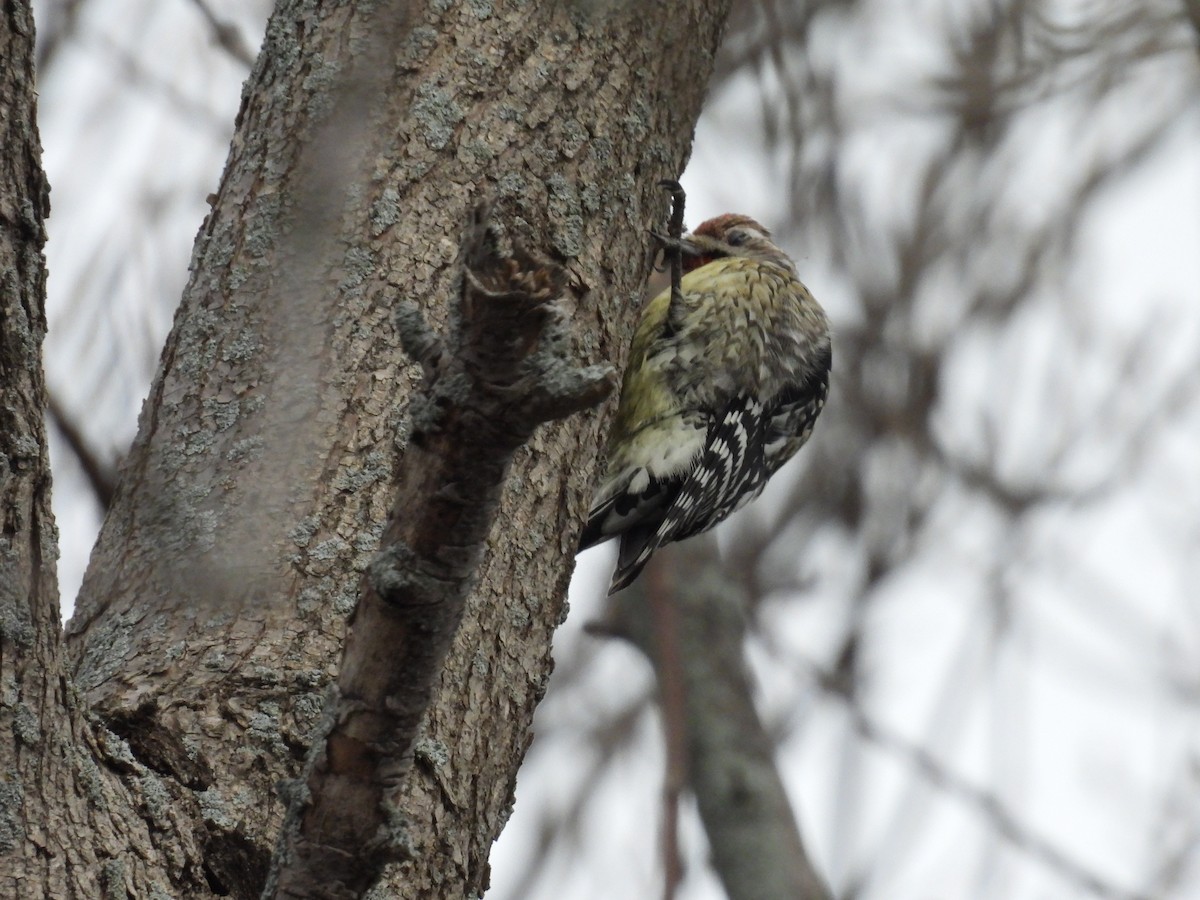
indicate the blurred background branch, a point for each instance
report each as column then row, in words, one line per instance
column 689, row 620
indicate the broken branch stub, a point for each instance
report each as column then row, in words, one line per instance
column 504, row 369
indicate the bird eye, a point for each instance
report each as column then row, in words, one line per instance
column 735, row 238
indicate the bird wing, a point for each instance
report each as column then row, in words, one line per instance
column 642, row 493
column 744, row 447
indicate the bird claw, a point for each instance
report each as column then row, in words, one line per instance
column 673, row 186
column 672, row 243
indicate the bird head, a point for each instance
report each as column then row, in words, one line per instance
column 729, row 235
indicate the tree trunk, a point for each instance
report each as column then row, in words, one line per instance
column 70, row 825
column 212, row 615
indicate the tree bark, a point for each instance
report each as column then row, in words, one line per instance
column 32, row 698
column 502, row 373
column 213, row 612
column 78, row 815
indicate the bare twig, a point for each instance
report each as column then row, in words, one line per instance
column 57, row 24
column 557, row 828
column 501, row 373
column 1002, row 818
column 101, row 477
column 226, row 35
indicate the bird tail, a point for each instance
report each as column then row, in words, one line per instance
column 637, row 546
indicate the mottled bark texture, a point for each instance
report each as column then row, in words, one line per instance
column 31, row 696
column 503, row 371
column 693, row 632
column 212, row 616
column 77, row 813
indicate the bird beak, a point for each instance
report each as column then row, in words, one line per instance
column 684, row 245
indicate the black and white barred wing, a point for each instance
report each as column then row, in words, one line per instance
column 792, row 420
column 744, row 447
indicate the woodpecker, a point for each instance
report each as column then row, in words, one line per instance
column 723, row 386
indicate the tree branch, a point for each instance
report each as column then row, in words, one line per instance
column 503, row 371
column 757, row 850
column 100, row 476
column 225, row 34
